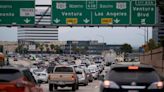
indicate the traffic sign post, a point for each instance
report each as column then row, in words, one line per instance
column 17, row 12
column 103, row 12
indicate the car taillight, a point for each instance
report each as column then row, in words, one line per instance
column 156, row 85
column 110, row 84
column 133, row 67
column 49, row 77
column 21, row 84
column 73, row 77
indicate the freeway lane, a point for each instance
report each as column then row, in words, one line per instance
column 92, row 87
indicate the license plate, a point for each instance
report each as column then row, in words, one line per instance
column 133, row 91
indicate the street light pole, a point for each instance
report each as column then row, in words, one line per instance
column 146, row 35
column 147, row 30
column 103, row 40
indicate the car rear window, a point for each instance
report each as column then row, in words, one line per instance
column 139, row 76
column 64, row 69
column 50, row 69
column 7, row 75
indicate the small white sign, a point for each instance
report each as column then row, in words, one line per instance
column 27, row 12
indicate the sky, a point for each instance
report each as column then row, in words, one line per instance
column 110, row 35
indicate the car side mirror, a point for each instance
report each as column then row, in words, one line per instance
column 101, row 78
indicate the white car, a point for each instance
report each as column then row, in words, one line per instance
column 40, row 74
column 94, row 72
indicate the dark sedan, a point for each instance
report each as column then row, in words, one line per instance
column 131, row 78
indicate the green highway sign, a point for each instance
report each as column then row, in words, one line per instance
column 90, row 12
column 103, row 12
column 14, row 12
column 143, row 11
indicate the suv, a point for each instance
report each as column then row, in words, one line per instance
column 63, row 76
column 132, row 78
column 17, row 80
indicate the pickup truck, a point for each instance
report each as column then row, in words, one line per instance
column 63, row 76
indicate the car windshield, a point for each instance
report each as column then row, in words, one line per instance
column 7, row 75
column 64, row 69
column 130, row 76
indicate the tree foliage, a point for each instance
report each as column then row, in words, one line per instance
column 52, row 46
column 41, row 47
column 126, row 48
column 150, row 45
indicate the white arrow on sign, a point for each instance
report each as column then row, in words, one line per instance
column 27, row 20
column 116, row 20
column 86, row 20
column 56, row 20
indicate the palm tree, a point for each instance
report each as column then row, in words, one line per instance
column 52, row 46
column 41, row 48
column 37, row 45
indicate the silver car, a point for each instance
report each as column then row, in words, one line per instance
column 82, row 77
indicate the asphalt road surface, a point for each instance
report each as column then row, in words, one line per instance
column 91, row 87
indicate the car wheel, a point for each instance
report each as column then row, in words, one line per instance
column 77, row 87
column 86, row 84
column 51, row 87
column 73, row 87
column 56, row 87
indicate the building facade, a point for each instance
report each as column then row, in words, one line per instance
column 158, row 32
column 41, row 35
column 88, row 47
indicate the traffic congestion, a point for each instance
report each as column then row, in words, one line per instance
column 81, row 45
column 52, row 73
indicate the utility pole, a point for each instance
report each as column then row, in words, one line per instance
column 147, row 30
column 103, row 41
column 70, row 49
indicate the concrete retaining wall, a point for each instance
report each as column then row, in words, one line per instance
column 155, row 58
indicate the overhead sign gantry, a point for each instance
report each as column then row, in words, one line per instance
column 17, row 12
column 103, row 12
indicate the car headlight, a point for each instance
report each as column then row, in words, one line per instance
column 156, row 85
column 110, row 84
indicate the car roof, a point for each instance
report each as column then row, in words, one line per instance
column 126, row 66
column 64, row 66
column 19, row 68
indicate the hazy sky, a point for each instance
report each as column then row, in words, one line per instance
column 134, row 36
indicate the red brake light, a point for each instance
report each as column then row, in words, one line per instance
column 133, row 67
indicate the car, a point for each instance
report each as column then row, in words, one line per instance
column 50, row 69
column 63, row 76
column 15, row 59
column 82, row 66
column 82, row 77
column 19, row 79
column 89, row 75
column 94, row 72
column 40, row 74
column 131, row 78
